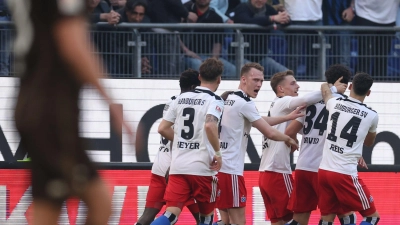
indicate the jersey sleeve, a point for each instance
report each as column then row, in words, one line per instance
column 169, row 113
column 215, row 108
column 250, row 112
column 374, row 124
column 330, row 103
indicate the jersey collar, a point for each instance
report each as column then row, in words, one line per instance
column 354, row 100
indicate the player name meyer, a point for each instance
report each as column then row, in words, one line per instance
column 354, row 111
column 191, row 101
column 187, row 145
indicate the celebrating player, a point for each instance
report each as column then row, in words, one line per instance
column 351, row 124
column 155, row 196
column 196, row 156
column 240, row 114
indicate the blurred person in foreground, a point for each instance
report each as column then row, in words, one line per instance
column 53, row 66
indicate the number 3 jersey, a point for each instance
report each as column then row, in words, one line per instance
column 163, row 157
column 312, row 144
column 192, row 153
column 349, row 122
column 239, row 113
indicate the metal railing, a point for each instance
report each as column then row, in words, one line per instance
column 152, row 50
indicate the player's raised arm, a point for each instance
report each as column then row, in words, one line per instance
column 326, row 92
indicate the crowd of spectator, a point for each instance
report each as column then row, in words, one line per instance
column 167, row 52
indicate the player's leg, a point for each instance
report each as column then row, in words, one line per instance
column 194, row 210
column 154, row 199
column 237, row 213
column 205, row 192
column 354, row 194
column 97, row 197
column 304, row 197
column 224, row 217
column 275, row 189
column 349, row 218
column 178, row 192
column 328, row 202
column 45, row 212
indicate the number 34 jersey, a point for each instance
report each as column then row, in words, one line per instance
column 348, row 125
column 192, row 153
column 314, row 133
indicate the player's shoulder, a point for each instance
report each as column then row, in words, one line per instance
column 241, row 96
column 360, row 104
column 207, row 92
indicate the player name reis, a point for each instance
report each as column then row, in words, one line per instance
column 191, row 101
column 188, row 145
column 336, row 148
column 351, row 110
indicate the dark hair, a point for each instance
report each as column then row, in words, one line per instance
column 247, row 67
column 362, row 82
column 211, row 69
column 277, row 78
column 189, row 78
column 131, row 4
column 334, row 72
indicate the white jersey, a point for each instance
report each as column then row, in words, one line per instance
column 239, row 112
column 192, row 153
column 163, row 158
column 276, row 155
column 315, row 123
column 348, row 125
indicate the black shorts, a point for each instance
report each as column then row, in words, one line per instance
column 49, row 129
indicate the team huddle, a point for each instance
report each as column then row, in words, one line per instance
column 206, row 139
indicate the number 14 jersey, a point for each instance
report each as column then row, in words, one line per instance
column 349, row 122
column 191, row 151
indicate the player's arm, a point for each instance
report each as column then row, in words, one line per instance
column 73, row 44
column 370, row 138
column 165, row 129
column 326, row 92
column 315, row 96
column 211, row 128
column 280, row 119
column 273, row 133
column 293, row 128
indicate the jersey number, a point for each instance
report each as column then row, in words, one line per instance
column 320, row 122
column 351, row 126
column 188, row 123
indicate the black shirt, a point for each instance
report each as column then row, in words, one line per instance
column 201, row 41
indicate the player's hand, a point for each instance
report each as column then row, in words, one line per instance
column 293, row 144
column 224, row 95
column 348, row 14
column 298, row 112
column 216, row 163
column 362, row 163
column 341, row 87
